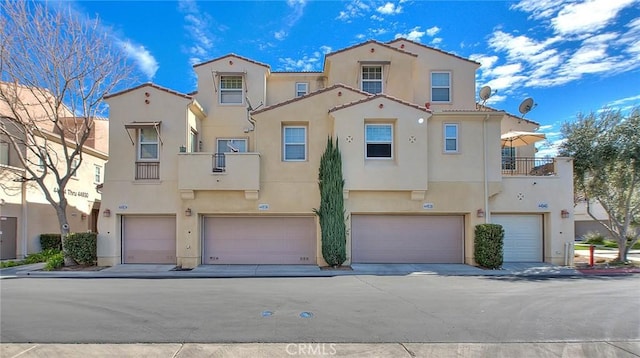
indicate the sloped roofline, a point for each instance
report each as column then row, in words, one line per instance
column 377, row 96
column 508, row 114
column 320, row 91
column 370, row 42
column 152, row 85
column 232, row 55
column 434, row 49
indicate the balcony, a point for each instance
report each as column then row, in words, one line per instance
column 228, row 171
column 529, row 166
column 147, row 170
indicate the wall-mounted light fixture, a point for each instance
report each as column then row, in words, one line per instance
column 480, row 213
column 106, row 213
column 564, row 213
column 187, row 212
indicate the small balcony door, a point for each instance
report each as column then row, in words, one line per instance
column 229, row 145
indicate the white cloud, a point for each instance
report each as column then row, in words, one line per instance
column 414, row 35
column 588, row 16
column 280, row 35
column 353, row 10
column 633, row 100
column 196, row 24
column 376, row 17
column 389, row 9
column 486, row 62
column 433, row 31
column 436, row 40
column 141, row 56
column 307, row 63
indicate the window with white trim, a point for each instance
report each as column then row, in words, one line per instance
column 97, row 174
column 74, row 167
column 379, row 140
column 193, row 141
column 231, row 89
column 371, row 79
column 4, row 153
column 302, row 88
column 148, row 144
column 229, row 145
column 440, row 86
column 294, row 146
column 450, row 138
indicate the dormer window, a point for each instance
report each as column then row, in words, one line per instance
column 371, row 79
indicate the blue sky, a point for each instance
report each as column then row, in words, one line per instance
column 571, row 56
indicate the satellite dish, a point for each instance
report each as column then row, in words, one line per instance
column 486, row 93
column 526, row 106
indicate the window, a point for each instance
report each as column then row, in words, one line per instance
column 508, row 158
column 294, row 143
column 74, row 167
column 372, row 79
column 229, row 145
column 4, row 153
column 148, row 144
column 379, row 140
column 193, row 141
column 450, row 138
column 97, row 174
column 440, row 87
column 231, row 89
column 302, row 88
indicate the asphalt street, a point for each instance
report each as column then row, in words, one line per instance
column 348, row 309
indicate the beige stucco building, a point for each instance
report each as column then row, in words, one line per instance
column 228, row 174
column 25, row 212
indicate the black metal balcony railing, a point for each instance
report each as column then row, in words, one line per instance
column 219, row 164
column 147, row 170
column 528, row 166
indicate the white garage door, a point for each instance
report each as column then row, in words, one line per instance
column 407, row 239
column 259, row 240
column 149, row 239
column 522, row 237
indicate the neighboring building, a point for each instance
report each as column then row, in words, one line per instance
column 24, row 211
column 228, row 174
column 585, row 224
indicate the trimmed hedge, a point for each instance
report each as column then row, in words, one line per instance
column 82, row 247
column 488, row 245
column 50, row 241
column 54, row 262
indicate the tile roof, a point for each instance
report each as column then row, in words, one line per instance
column 232, row 55
column 370, row 42
column 433, row 48
column 149, row 84
column 380, row 95
column 339, row 85
column 507, row 113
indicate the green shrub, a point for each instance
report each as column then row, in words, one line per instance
column 54, row 262
column 594, row 238
column 10, row 264
column 488, row 245
column 41, row 256
column 51, row 241
column 82, row 247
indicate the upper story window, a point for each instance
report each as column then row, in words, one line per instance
column 440, row 86
column 148, row 144
column 450, row 138
column 4, row 153
column 97, row 174
column 193, row 141
column 74, row 167
column 379, row 140
column 372, row 79
column 302, row 88
column 294, row 143
column 231, row 89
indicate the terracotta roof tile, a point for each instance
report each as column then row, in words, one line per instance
column 432, row 48
column 152, row 85
column 370, row 42
column 232, row 55
column 339, row 85
column 507, row 113
column 374, row 97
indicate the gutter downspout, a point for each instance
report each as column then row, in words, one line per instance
column 487, row 213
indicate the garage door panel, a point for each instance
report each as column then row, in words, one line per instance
column 523, row 241
column 259, row 240
column 407, row 239
column 149, row 239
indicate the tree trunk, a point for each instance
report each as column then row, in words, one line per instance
column 64, row 232
column 623, row 249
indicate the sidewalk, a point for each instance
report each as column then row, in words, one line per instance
column 228, row 271
column 382, row 350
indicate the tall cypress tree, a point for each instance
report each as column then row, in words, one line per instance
column 331, row 211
